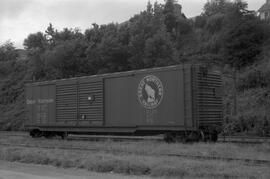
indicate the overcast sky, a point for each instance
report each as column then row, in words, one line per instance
column 19, row 18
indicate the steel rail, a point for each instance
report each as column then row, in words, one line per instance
column 221, row 139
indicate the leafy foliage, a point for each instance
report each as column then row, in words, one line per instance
column 244, row 42
column 7, row 52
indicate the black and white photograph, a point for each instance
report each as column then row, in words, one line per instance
column 134, row 89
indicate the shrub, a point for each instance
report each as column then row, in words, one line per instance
column 253, row 125
column 253, row 78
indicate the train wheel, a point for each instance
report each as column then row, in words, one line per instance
column 193, row 136
column 182, row 137
column 35, row 133
column 169, row 137
column 210, row 136
column 48, row 135
column 214, row 136
column 202, row 136
column 64, row 135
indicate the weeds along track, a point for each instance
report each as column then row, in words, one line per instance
column 222, row 139
column 186, row 156
column 244, row 139
column 13, row 133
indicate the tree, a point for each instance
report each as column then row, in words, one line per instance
column 66, row 60
column 35, row 42
column 93, row 36
column 216, row 6
column 243, row 43
column 8, row 51
column 159, row 50
column 149, row 8
column 215, row 23
column 141, row 28
column 169, row 13
column 68, row 34
column 183, row 26
column 50, row 34
column 108, row 48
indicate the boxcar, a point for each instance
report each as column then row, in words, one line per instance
column 178, row 101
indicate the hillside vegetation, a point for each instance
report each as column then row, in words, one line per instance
column 225, row 36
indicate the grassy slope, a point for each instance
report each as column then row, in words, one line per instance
column 253, row 99
column 12, row 107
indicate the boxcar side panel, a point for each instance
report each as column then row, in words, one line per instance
column 119, row 106
column 170, row 111
column 36, row 110
column 29, row 105
column 47, row 104
column 40, row 102
column 145, row 99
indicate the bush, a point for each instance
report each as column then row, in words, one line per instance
column 200, row 21
column 251, row 125
column 253, row 78
column 215, row 22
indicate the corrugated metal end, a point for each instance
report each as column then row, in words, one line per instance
column 209, row 98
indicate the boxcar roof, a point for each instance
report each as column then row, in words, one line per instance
column 111, row 75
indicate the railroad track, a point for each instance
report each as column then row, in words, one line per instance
column 244, row 139
column 13, row 133
column 221, row 139
column 114, row 138
column 194, row 157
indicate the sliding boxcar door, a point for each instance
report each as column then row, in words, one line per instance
column 90, row 102
column 66, row 103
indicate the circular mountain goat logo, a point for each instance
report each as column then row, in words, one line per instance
column 150, row 92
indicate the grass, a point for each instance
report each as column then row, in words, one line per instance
column 143, row 157
column 244, row 151
column 135, row 164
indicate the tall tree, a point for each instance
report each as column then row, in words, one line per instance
column 170, row 18
column 216, row 6
column 243, row 43
column 159, row 50
column 8, row 52
column 50, row 34
column 36, row 41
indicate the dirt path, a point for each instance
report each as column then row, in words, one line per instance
column 13, row 170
